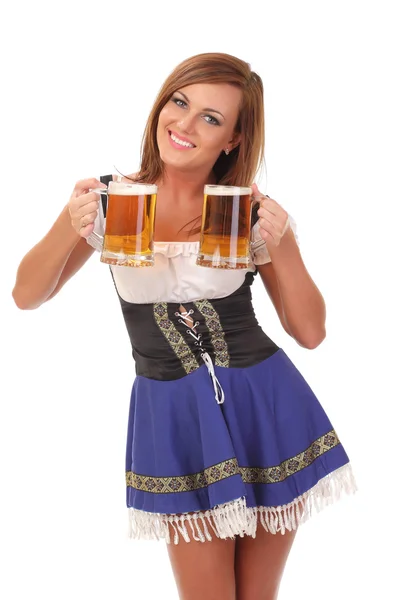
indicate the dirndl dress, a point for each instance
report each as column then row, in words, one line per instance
column 224, row 433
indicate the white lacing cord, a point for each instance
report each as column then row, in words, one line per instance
column 219, row 392
column 185, row 315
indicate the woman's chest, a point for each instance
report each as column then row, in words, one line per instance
column 177, row 224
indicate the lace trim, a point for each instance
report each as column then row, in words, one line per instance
column 235, row 518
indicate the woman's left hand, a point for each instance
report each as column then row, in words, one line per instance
column 274, row 220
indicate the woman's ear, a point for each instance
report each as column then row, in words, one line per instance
column 235, row 141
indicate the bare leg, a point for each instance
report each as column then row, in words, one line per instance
column 260, row 562
column 204, row 570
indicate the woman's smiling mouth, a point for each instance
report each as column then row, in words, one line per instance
column 178, row 142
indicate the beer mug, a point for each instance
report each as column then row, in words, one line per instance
column 225, row 227
column 129, row 224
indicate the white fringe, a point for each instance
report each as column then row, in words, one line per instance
column 235, row 518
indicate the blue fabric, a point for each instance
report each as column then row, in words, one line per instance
column 270, row 414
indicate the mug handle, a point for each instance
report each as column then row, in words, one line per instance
column 256, row 243
column 96, row 238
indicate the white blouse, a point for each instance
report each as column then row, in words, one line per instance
column 175, row 277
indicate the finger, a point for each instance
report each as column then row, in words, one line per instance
column 274, row 227
column 268, row 226
column 271, row 229
column 266, row 213
column 85, row 209
column 270, row 205
column 81, row 201
column 86, row 231
column 88, row 218
column 256, row 192
column 265, row 235
column 88, row 184
column 88, row 197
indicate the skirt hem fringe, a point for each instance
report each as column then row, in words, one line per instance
column 235, row 518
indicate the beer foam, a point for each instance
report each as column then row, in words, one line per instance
column 120, row 188
column 226, row 190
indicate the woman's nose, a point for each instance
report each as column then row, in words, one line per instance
column 187, row 122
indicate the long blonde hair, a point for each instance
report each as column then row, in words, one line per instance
column 242, row 164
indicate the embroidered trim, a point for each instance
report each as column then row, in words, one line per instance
column 174, row 338
column 230, row 467
column 183, row 483
column 291, row 465
column 214, row 326
column 235, row 518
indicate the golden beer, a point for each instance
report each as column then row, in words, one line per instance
column 225, row 228
column 129, row 231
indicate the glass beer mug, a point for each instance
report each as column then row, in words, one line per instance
column 129, row 225
column 225, row 229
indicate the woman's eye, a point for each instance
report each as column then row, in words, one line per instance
column 211, row 120
column 182, row 104
column 179, row 102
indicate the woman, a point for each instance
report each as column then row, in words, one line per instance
column 242, row 464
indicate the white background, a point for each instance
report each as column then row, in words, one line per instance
column 78, row 83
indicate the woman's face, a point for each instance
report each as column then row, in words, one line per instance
column 197, row 124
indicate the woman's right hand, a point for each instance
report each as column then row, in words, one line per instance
column 83, row 206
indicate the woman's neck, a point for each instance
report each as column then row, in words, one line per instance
column 185, row 185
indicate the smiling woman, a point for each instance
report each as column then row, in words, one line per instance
column 200, row 133
column 208, row 101
column 226, row 441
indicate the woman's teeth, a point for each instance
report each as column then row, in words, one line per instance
column 181, row 142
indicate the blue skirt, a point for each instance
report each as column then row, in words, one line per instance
column 268, row 454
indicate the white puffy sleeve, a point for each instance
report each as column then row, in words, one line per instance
column 259, row 252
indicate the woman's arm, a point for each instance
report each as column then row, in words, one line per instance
column 42, row 267
column 297, row 300
column 61, row 253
